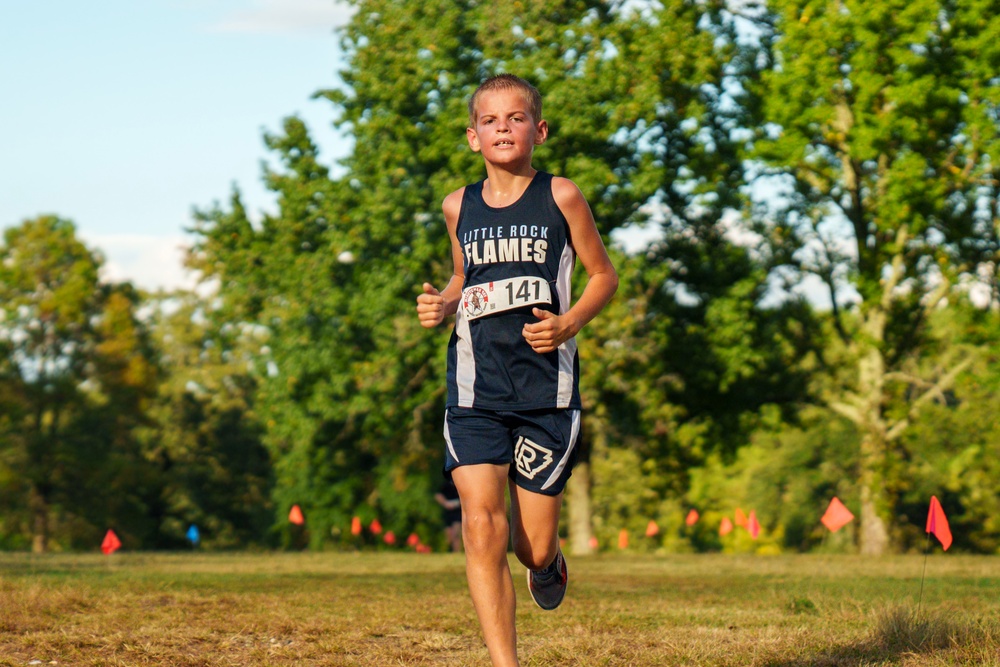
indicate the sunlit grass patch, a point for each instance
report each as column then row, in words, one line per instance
column 900, row 629
column 368, row 609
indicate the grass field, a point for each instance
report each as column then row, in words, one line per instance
column 413, row 609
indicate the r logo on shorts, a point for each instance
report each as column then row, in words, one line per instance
column 530, row 457
column 539, row 446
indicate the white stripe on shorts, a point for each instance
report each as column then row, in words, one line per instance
column 447, row 438
column 574, row 434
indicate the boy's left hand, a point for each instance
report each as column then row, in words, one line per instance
column 548, row 333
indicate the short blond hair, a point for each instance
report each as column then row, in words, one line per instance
column 507, row 82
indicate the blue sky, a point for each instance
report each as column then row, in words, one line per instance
column 123, row 116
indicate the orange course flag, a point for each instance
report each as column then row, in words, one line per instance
column 652, row 529
column 692, row 518
column 295, row 515
column 592, row 542
column 726, row 526
column 111, row 543
column 937, row 523
column 355, row 526
column 752, row 525
column 623, row 539
column 836, row 516
column 740, row 519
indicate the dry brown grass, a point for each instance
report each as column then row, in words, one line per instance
column 347, row 609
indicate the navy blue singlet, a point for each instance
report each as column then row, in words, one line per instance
column 490, row 365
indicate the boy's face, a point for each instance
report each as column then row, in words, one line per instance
column 505, row 132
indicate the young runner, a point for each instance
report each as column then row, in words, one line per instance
column 513, row 406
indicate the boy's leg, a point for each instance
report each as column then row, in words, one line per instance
column 536, row 526
column 544, row 452
column 485, row 532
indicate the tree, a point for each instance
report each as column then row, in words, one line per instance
column 77, row 371
column 352, row 389
column 881, row 119
column 724, row 345
column 204, row 437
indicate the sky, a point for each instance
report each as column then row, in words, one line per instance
column 124, row 116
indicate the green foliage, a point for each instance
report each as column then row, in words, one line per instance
column 203, row 437
column 787, row 475
column 853, row 141
column 77, row 374
column 955, row 444
column 879, row 120
column 351, row 388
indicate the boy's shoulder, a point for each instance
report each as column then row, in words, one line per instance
column 452, row 203
column 564, row 190
column 455, row 195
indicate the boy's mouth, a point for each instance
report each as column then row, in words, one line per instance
column 504, row 143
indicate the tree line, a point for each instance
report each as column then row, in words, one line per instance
column 817, row 314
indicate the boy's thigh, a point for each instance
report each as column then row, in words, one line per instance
column 538, row 445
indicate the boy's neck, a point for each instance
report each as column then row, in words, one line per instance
column 504, row 187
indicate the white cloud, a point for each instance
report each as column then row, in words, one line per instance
column 149, row 262
column 288, row 17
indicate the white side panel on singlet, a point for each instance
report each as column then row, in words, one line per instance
column 567, row 351
column 465, row 371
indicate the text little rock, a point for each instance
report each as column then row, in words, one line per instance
column 514, row 243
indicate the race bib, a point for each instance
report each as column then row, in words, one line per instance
column 500, row 295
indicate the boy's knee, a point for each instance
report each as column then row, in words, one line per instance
column 484, row 531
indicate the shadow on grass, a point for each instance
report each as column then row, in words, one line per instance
column 898, row 631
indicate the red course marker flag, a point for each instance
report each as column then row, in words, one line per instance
column 413, row 540
column 375, row 527
column 692, row 518
column 726, row 526
column 837, row 516
column 355, row 526
column 295, row 515
column 623, row 539
column 740, row 519
column 652, row 529
column 111, row 543
column 752, row 525
column 389, row 538
column 937, row 523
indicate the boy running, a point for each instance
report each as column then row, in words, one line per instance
column 513, row 406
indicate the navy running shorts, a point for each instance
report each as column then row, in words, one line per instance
column 539, row 445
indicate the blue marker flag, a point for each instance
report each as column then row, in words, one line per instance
column 193, row 535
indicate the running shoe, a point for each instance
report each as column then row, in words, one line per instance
column 548, row 586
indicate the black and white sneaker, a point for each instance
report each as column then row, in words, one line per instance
column 548, row 586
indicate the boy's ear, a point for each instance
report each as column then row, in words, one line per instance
column 473, row 138
column 542, row 132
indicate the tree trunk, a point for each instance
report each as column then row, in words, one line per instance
column 874, row 536
column 39, row 507
column 580, row 510
column 578, row 497
column 875, row 500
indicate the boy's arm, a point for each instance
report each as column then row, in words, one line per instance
column 553, row 330
column 434, row 306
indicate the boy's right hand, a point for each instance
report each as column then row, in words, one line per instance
column 430, row 307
